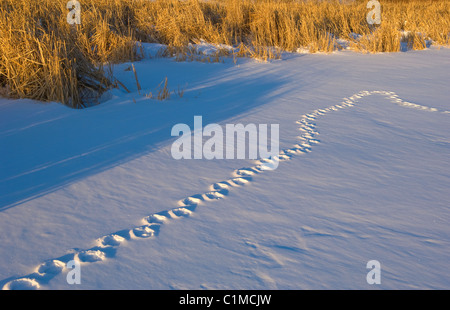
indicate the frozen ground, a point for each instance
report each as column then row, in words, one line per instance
column 363, row 175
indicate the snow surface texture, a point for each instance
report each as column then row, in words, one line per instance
column 151, row 224
column 276, row 252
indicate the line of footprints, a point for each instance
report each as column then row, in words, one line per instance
column 106, row 246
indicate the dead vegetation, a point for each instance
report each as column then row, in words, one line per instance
column 43, row 57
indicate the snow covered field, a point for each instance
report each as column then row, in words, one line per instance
column 363, row 175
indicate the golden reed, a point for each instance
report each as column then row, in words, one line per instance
column 43, row 57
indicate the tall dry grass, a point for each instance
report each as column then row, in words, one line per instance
column 43, row 57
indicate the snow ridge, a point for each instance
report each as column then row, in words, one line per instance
column 106, row 246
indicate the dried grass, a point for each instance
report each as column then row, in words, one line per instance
column 44, row 58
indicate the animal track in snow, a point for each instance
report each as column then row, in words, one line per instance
column 89, row 256
column 22, row 284
column 51, row 267
column 110, row 240
column 151, row 224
